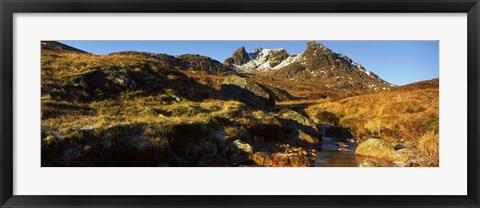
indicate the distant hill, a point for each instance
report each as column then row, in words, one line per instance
column 433, row 83
column 54, row 46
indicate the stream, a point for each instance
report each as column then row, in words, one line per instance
column 331, row 154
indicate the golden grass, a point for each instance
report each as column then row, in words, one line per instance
column 428, row 146
column 407, row 113
column 406, row 117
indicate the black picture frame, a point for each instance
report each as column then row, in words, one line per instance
column 10, row 7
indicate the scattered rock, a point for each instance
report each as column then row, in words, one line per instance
column 304, row 130
column 302, row 139
column 381, row 149
column 259, row 158
column 281, row 160
column 272, row 147
column 369, row 163
column 107, row 80
column 238, row 152
column 375, row 148
column 294, row 120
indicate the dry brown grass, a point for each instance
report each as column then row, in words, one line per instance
column 428, row 147
column 407, row 116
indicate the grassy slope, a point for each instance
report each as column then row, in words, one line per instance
column 407, row 116
column 175, row 119
column 171, row 120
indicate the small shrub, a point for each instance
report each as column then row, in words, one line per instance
column 428, row 147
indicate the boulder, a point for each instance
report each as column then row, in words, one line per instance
column 369, row 163
column 238, row 152
column 375, row 148
column 259, row 158
column 281, row 160
column 301, row 138
column 238, row 88
column 295, row 121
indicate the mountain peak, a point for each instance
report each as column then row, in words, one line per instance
column 239, row 57
column 259, row 60
column 314, row 47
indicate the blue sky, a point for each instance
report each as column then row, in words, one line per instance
column 398, row 62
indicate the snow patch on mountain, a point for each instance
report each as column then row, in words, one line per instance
column 260, row 61
column 291, row 59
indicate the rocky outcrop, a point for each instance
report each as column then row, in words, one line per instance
column 120, row 145
column 375, row 148
column 380, row 149
column 276, row 57
column 204, row 63
column 303, row 139
column 239, row 57
column 266, row 159
column 238, row 88
column 109, row 79
column 304, row 130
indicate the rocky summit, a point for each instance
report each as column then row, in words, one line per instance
column 317, row 65
column 239, row 57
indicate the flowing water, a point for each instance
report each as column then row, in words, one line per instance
column 329, row 155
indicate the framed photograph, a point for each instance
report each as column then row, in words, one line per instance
column 267, row 103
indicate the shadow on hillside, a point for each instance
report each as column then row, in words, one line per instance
column 234, row 92
column 110, row 82
column 279, row 94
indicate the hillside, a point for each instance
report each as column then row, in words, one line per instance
column 407, row 118
column 145, row 109
column 57, row 47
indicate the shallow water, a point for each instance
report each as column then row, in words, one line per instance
column 330, row 156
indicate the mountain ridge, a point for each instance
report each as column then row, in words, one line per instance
column 312, row 65
column 56, row 46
